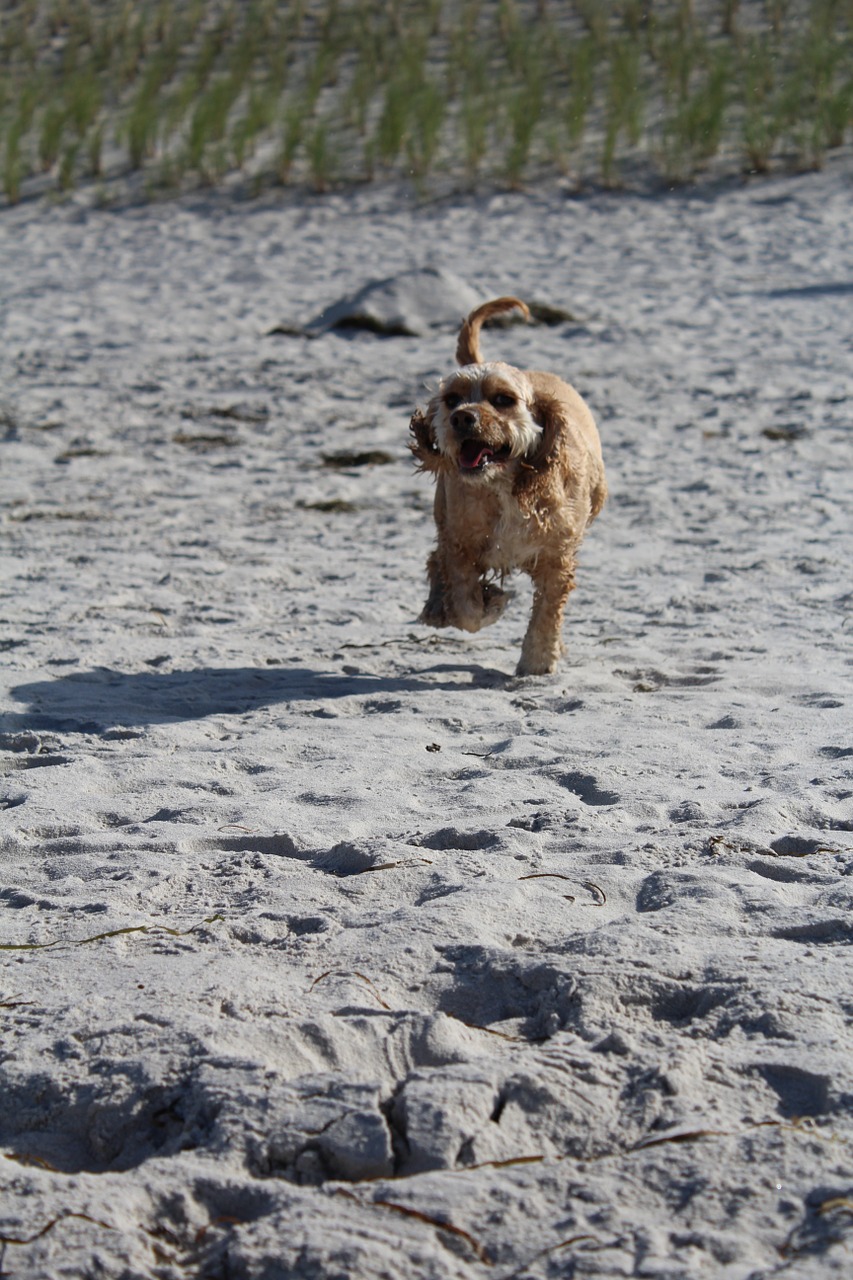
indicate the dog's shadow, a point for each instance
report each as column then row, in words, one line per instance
column 103, row 699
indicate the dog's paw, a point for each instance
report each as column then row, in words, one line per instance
column 494, row 602
column 542, row 648
column 535, row 668
column 478, row 608
column 469, row 610
column 538, row 660
column 434, row 614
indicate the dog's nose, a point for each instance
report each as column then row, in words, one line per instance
column 463, row 420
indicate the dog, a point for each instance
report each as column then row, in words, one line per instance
column 519, row 478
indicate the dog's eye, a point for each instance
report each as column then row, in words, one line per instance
column 452, row 401
column 503, row 401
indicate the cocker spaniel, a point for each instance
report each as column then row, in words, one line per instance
column 519, row 477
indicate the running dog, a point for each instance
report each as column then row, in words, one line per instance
column 519, row 478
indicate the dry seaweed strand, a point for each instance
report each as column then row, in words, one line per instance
column 799, row 1124
column 387, row 866
column 350, row 973
column 391, row 644
column 687, row 1135
column 594, row 889
column 110, row 933
column 844, row 1203
column 504, row 1164
column 61, row 1217
column 545, row 875
column 503, row 1035
column 681, row 1136
column 550, row 875
column 37, row 1162
column 419, row 1216
column 552, row 1248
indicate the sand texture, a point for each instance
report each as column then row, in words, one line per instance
column 329, row 948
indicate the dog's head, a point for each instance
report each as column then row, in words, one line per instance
column 481, row 422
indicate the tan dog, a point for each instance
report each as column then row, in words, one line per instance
column 520, row 476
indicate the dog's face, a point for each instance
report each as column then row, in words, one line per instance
column 482, row 420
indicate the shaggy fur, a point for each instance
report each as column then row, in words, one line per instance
column 519, row 477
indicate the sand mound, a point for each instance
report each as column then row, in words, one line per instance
column 405, row 305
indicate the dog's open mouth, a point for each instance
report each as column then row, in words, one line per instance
column 475, row 455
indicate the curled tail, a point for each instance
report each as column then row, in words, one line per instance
column 468, row 346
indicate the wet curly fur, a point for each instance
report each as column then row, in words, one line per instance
column 519, row 478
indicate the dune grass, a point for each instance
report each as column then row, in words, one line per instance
column 329, row 92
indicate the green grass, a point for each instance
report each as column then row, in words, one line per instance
column 321, row 93
column 624, row 102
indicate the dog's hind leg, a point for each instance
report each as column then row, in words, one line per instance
column 543, row 645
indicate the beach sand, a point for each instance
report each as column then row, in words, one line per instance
column 330, row 948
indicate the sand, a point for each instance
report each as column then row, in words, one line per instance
column 330, row 948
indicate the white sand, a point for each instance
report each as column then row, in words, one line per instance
column 397, row 940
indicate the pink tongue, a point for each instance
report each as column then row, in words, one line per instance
column 472, row 453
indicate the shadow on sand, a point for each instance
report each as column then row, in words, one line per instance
column 94, row 701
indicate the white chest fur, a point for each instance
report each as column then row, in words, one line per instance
column 515, row 539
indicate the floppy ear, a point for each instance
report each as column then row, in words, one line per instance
column 422, row 443
column 534, row 470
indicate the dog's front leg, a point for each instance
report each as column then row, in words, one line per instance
column 458, row 594
column 543, row 644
